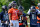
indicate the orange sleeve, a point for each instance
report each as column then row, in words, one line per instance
column 37, row 8
column 9, row 11
column 38, row 18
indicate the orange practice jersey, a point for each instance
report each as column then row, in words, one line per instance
column 38, row 17
column 14, row 13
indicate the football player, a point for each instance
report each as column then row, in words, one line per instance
column 38, row 17
column 4, row 16
column 23, row 18
column 13, row 15
column 33, row 12
column 20, row 16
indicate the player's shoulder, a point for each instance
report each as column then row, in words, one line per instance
column 10, row 9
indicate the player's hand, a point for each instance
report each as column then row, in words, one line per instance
column 11, row 23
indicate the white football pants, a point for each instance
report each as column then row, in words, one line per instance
column 15, row 23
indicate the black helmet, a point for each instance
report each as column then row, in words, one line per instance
column 20, row 8
column 13, row 3
column 4, row 8
column 33, row 9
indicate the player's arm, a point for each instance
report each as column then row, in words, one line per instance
column 26, row 22
column 9, row 13
column 9, row 16
column 22, row 17
column 38, row 12
column 28, row 13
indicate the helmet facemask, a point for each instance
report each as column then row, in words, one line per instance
column 33, row 10
column 4, row 8
column 14, row 4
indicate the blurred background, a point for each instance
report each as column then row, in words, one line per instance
column 25, row 3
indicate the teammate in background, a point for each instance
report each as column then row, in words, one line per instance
column 22, row 19
column 20, row 16
column 13, row 15
column 33, row 12
column 4, row 16
column 38, row 17
column 10, row 6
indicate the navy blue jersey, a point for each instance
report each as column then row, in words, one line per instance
column 24, row 19
column 33, row 18
column 2, row 13
column 4, row 16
